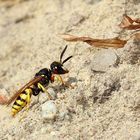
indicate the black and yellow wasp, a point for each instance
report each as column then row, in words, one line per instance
column 42, row 78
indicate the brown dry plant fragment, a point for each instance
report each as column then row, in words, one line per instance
column 100, row 43
column 129, row 24
column 3, row 100
column 137, row 36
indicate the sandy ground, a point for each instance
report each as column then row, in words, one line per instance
column 102, row 106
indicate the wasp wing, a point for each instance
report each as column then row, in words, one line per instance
column 33, row 81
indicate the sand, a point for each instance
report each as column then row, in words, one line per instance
column 103, row 105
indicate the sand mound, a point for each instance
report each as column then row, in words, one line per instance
column 103, row 104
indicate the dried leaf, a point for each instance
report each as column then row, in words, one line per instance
column 129, row 24
column 136, row 36
column 101, row 43
column 137, row 20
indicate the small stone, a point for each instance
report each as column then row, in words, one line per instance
column 53, row 133
column 49, row 110
column 63, row 114
column 103, row 60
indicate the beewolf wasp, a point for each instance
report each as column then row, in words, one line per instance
column 38, row 84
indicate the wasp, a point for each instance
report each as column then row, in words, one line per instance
column 38, row 84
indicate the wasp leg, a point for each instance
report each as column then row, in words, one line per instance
column 59, row 79
column 44, row 90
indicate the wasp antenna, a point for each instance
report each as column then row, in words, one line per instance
column 67, row 59
column 63, row 53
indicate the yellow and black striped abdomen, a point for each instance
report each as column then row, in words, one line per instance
column 21, row 101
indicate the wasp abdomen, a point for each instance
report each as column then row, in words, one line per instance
column 21, row 101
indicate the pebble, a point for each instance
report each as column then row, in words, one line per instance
column 103, row 60
column 63, row 115
column 53, row 133
column 49, row 110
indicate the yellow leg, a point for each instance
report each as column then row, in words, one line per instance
column 48, row 94
column 43, row 88
column 59, row 78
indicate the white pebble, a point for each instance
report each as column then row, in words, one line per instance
column 102, row 60
column 49, row 110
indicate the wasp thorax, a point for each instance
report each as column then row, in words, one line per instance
column 43, row 71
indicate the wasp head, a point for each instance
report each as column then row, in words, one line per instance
column 57, row 67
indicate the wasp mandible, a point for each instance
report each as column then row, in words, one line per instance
column 38, row 84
